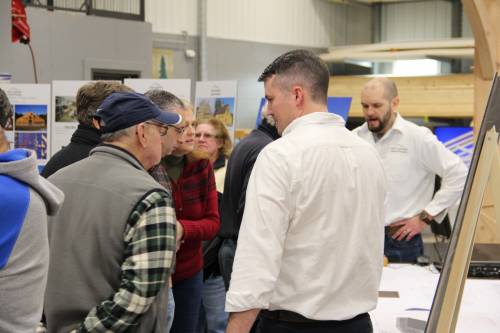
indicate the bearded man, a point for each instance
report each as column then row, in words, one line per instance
column 412, row 157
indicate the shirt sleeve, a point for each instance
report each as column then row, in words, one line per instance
column 262, row 235
column 443, row 162
column 149, row 254
column 207, row 226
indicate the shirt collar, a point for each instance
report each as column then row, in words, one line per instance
column 398, row 124
column 314, row 118
column 220, row 162
column 118, row 151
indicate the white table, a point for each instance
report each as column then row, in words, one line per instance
column 479, row 312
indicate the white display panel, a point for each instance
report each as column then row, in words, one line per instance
column 63, row 119
column 179, row 87
column 217, row 99
column 29, row 122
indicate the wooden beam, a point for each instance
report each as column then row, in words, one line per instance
column 434, row 96
column 483, row 18
column 410, row 45
column 462, row 53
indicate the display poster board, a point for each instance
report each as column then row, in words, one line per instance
column 63, row 119
column 339, row 105
column 217, row 99
column 179, row 87
column 459, row 140
column 484, row 170
column 28, row 125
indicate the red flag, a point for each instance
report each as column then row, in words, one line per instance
column 20, row 27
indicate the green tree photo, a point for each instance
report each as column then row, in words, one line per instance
column 163, row 68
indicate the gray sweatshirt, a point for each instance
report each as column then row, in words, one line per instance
column 23, row 274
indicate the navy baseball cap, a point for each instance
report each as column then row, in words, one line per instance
column 121, row 110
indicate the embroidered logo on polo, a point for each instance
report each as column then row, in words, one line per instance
column 399, row 149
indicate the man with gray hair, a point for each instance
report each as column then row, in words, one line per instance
column 26, row 199
column 312, row 198
column 113, row 245
column 412, row 157
column 167, row 102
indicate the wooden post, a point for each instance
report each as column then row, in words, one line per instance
column 484, row 18
column 446, row 306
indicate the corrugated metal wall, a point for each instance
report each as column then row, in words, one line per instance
column 425, row 20
column 289, row 22
column 352, row 24
column 173, row 16
column 313, row 23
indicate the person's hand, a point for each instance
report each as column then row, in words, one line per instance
column 179, row 235
column 408, row 228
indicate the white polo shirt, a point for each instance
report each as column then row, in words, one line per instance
column 412, row 156
column 311, row 239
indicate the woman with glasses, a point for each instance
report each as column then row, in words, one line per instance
column 213, row 138
column 191, row 179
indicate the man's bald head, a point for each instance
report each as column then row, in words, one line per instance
column 379, row 100
column 388, row 86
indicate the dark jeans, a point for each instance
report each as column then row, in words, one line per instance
column 187, row 296
column 403, row 251
column 359, row 324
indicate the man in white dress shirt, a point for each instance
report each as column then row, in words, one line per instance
column 310, row 248
column 412, row 157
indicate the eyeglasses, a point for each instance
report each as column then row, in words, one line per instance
column 179, row 130
column 163, row 129
column 206, row 136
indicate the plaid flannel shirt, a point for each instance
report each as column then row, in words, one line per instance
column 149, row 256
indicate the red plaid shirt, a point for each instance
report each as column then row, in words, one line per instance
column 195, row 198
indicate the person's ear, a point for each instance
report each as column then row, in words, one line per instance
column 395, row 103
column 298, row 95
column 140, row 132
column 96, row 124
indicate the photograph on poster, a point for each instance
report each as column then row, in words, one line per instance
column 33, row 141
column 163, row 63
column 65, row 109
column 31, row 117
column 221, row 108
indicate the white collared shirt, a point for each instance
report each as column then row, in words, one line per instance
column 311, row 239
column 412, row 157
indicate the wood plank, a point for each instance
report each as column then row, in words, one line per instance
column 410, row 45
column 433, row 96
column 483, row 19
column 462, row 53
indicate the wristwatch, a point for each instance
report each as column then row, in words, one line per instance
column 424, row 216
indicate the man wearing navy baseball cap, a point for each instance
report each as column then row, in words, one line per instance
column 113, row 243
column 122, row 110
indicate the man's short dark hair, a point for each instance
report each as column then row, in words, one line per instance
column 91, row 95
column 165, row 100
column 301, row 67
column 5, row 108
